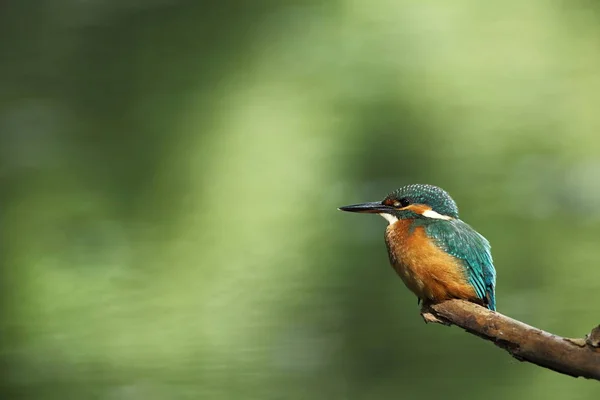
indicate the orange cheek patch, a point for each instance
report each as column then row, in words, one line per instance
column 417, row 208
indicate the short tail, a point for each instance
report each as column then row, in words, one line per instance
column 490, row 299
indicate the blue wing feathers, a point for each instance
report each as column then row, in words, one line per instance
column 460, row 240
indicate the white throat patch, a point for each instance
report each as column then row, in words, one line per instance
column 389, row 218
column 435, row 215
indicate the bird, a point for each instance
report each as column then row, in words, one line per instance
column 437, row 255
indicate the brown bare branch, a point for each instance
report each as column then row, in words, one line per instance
column 574, row 357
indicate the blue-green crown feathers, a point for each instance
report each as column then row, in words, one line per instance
column 437, row 198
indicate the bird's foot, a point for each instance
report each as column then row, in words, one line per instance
column 430, row 318
column 428, row 315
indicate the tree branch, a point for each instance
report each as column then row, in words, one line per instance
column 574, row 357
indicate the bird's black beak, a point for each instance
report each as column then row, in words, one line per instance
column 374, row 207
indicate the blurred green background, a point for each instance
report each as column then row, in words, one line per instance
column 171, row 172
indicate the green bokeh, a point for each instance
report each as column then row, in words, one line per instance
column 171, row 172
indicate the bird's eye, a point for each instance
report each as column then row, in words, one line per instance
column 401, row 203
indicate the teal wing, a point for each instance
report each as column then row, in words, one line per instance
column 460, row 240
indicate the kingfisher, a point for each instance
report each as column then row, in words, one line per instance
column 437, row 256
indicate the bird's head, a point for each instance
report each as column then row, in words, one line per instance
column 410, row 202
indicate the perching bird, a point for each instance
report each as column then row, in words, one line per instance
column 437, row 255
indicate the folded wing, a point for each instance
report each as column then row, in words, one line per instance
column 460, row 240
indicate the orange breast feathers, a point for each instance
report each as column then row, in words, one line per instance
column 427, row 270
